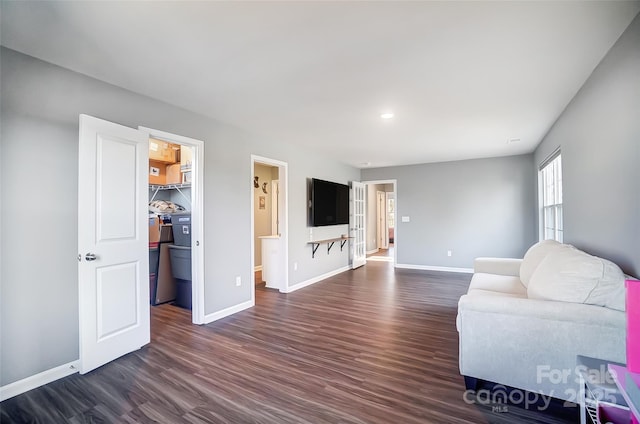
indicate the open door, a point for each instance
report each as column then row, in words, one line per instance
column 357, row 225
column 382, row 232
column 113, row 240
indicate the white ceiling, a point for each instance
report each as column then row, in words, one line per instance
column 462, row 78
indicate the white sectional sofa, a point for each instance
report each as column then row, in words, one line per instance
column 523, row 321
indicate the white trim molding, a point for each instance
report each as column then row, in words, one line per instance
column 371, row 252
column 435, row 268
column 315, row 279
column 37, row 380
column 228, row 311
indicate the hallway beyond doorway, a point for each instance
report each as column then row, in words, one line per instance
column 383, row 255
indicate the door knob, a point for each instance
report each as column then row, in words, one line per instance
column 90, row 257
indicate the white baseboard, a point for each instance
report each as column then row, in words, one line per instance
column 228, row 311
column 257, row 268
column 37, row 380
column 315, row 279
column 436, row 268
column 371, row 252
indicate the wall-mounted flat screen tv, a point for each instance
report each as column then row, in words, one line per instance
column 329, row 203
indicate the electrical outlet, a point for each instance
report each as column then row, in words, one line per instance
column 295, row 266
column 449, row 252
column 238, row 281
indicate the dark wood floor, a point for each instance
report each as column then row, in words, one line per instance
column 374, row 345
column 383, row 253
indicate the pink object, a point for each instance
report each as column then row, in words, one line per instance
column 611, row 413
column 620, row 376
column 633, row 325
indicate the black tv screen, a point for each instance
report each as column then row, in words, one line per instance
column 329, row 203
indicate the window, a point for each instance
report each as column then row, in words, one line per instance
column 551, row 198
column 391, row 205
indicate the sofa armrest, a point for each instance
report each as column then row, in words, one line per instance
column 500, row 266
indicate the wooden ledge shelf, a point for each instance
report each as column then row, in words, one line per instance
column 316, row 243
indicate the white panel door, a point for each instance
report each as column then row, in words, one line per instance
column 113, row 241
column 381, row 220
column 356, row 224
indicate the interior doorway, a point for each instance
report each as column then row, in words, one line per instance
column 381, row 238
column 176, row 207
column 269, row 224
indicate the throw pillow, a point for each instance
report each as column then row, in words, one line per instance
column 533, row 257
column 571, row 275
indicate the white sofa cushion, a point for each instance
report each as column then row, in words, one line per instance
column 503, row 284
column 533, row 257
column 570, row 275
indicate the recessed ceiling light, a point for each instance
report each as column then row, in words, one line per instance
column 365, row 164
column 386, row 115
column 513, row 140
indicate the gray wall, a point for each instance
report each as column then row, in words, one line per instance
column 39, row 132
column 599, row 134
column 177, row 198
column 483, row 207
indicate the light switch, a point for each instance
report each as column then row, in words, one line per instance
column 406, row 219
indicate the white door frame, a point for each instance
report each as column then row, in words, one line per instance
column 283, row 218
column 395, row 231
column 275, row 187
column 197, row 218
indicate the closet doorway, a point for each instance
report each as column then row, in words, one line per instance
column 176, row 208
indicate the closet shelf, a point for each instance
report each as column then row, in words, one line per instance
column 158, row 187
